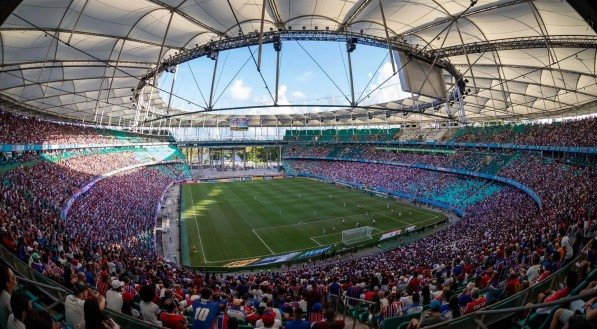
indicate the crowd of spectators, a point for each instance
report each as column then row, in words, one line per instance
column 477, row 161
column 581, row 132
column 29, row 130
column 416, row 182
column 106, row 242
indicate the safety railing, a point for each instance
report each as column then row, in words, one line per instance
column 57, row 293
column 478, row 318
column 336, row 302
column 504, row 309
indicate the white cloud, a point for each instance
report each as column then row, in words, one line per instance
column 282, row 97
column 298, row 94
column 239, row 91
column 305, row 76
column 390, row 90
column 266, row 99
column 369, row 75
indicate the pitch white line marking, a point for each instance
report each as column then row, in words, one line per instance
column 268, row 248
column 197, row 226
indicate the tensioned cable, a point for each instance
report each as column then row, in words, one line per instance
column 115, row 67
column 373, row 76
column 66, row 92
column 343, row 64
column 518, row 76
column 232, row 80
column 196, row 83
column 322, row 70
column 251, row 52
column 473, row 2
column 221, row 70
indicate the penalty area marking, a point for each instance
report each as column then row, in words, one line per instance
column 305, row 221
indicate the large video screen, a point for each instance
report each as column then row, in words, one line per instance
column 239, row 124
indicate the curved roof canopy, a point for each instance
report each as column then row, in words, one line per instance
column 88, row 60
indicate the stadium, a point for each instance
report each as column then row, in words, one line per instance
column 226, row 164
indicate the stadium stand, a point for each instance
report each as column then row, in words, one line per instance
column 29, row 130
column 504, row 246
column 568, row 133
column 500, row 224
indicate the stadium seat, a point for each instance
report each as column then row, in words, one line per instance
column 396, row 322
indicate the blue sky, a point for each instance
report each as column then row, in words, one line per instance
column 301, row 80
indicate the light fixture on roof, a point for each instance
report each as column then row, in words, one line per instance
column 277, row 43
column 351, row 44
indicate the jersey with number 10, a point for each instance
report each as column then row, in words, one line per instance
column 205, row 313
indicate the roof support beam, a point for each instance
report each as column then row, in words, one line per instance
column 468, row 13
column 527, row 67
column 276, row 13
column 560, row 41
column 73, row 32
column 385, row 25
column 83, row 61
column 186, row 16
column 354, row 14
column 261, row 36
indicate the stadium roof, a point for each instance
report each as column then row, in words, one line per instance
column 88, row 60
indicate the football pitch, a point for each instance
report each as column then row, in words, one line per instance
column 226, row 222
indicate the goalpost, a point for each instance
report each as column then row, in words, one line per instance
column 356, row 235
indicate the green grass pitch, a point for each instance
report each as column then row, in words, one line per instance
column 229, row 221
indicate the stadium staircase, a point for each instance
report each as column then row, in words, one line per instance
column 479, row 194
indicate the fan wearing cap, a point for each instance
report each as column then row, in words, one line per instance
column 315, row 314
column 268, row 320
column 429, row 317
column 35, row 262
column 114, row 298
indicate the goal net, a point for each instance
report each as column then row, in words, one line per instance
column 356, row 235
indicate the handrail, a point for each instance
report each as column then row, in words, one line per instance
column 535, row 306
column 42, row 285
column 17, row 265
column 344, row 299
column 52, row 147
column 516, row 309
